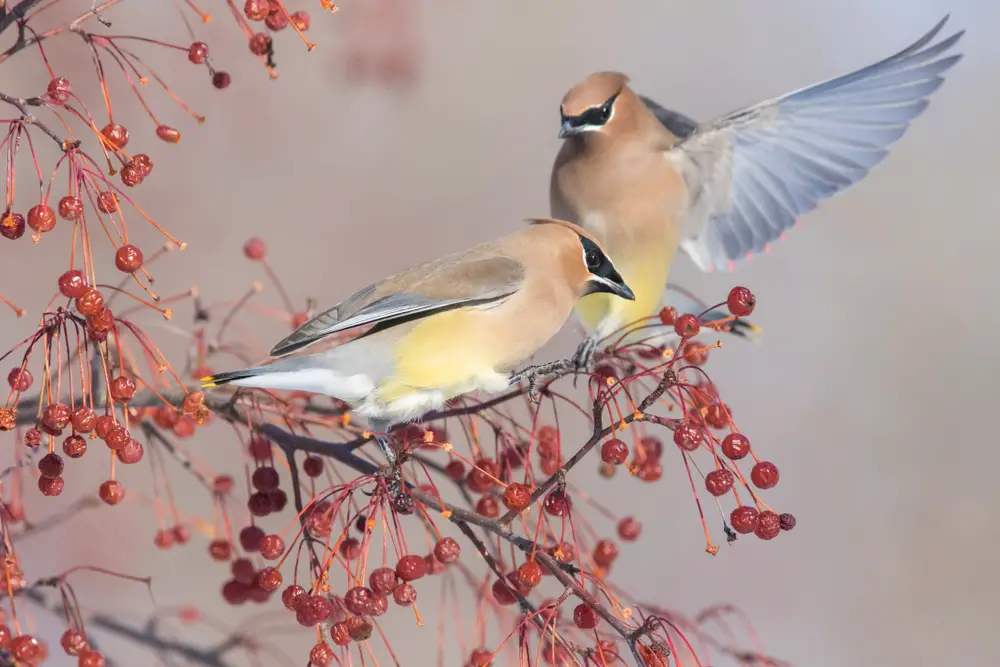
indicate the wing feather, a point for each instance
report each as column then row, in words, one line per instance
column 754, row 172
column 450, row 282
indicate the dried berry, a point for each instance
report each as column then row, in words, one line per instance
column 687, row 326
column 198, row 53
column 764, row 475
column 614, row 451
column 41, row 218
column 128, row 258
column 744, row 519
column 12, row 225
column 447, row 550
column 735, row 446
column 741, row 301
column 719, row 482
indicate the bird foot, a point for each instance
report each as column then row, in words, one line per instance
column 532, row 374
column 583, row 357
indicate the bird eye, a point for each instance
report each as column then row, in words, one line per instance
column 606, row 111
column 593, row 260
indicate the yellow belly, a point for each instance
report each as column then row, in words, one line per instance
column 606, row 313
column 450, row 352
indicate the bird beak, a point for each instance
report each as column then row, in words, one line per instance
column 613, row 284
column 567, row 129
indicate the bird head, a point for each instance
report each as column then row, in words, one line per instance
column 594, row 271
column 593, row 105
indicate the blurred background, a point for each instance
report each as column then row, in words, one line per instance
column 870, row 390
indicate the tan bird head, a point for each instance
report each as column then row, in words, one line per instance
column 592, row 270
column 597, row 105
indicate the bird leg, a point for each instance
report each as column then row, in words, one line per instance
column 534, row 373
column 583, row 356
column 380, row 432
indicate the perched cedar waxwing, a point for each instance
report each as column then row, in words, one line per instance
column 645, row 180
column 443, row 328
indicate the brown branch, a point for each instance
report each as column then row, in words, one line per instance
column 9, row 17
column 599, row 433
column 28, row 118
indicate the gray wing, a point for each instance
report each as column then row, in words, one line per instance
column 422, row 291
column 677, row 124
column 752, row 173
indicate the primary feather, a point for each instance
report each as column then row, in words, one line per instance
column 753, row 172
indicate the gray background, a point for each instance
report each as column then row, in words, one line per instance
column 872, row 389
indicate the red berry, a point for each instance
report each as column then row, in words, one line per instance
column 107, row 202
column 74, row 446
column 198, row 53
column 260, row 44
column 321, row 655
column 668, row 316
column 404, row 595
column 90, row 302
column 73, row 642
column 260, row 504
column 787, row 521
column 768, row 525
column 629, row 529
column 584, row 617
column 447, row 550
column 265, row 479
column 115, row 134
column 255, row 249
column 112, row 492
column 32, row 437
column 503, row 593
column 695, row 353
column 301, row 20
column 250, row 538
column 652, row 449
column 277, row 21
column 557, row 503
column 717, row 415
column 411, row 567
column 650, row 471
column 243, row 571
column 131, row 175
column 128, row 258
column 118, row 438
column 12, row 225
column 764, row 475
column 482, row 478
column 614, row 451
column 271, row 547
column 131, row 453
column 41, row 218
column 57, row 416
column 235, row 592
column 688, row 437
column 484, row 658
column 70, row 208
column 312, row 610
column 736, row 446
column 383, row 580
column 359, row 600
column 455, row 470
column 168, row 134
column 220, row 550
column 50, row 465
column 59, row 89
column 744, row 519
column 719, row 482
column 292, row 596
column 19, row 380
column 122, row 389
column 340, row 634
column 741, row 301
column 605, row 552
column 163, row 539
column 50, row 486
column 529, row 574
column 687, row 326
column 350, row 548
column 257, row 10
column 359, row 628
column 221, row 80
column 90, row 658
column 72, row 284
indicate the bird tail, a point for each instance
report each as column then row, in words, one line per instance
column 220, row 379
column 312, row 373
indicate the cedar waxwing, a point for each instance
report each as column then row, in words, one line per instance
column 443, row 328
column 646, row 180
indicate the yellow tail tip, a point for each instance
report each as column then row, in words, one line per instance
column 207, row 382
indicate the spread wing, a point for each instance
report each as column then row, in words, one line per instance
column 450, row 282
column 752, row 173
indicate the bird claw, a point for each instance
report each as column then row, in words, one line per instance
column 583, row 357
column 532, row 374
